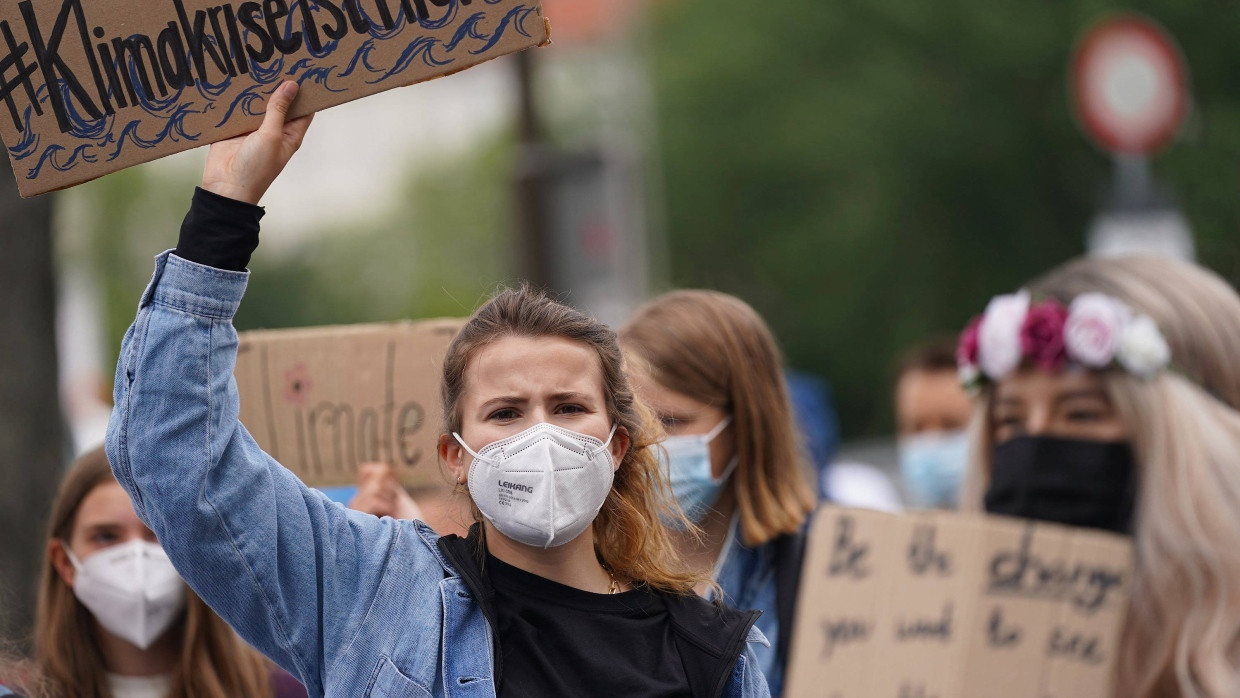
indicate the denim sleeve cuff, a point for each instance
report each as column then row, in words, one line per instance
column 195, row 288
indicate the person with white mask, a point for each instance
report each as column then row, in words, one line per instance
column 707, row 364
column 566, row 585
column 114, row 620
column 932, row 419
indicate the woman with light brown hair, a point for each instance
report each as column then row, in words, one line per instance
column 1108, row 399
column 709, row 367
column 113, row 618
column 567, row 585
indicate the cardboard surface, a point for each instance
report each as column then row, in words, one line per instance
column 943, row 605
column 321, row 401
column 89, row 87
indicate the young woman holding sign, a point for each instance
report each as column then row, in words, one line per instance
column 708, row 366
column 1109, row 396
column 566, row 587
column 115, row 621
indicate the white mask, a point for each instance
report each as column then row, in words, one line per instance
column 544, row 486
column 132, row 590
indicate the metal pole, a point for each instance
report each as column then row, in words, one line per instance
column 533, row 222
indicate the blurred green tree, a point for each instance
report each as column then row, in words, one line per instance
column 868, row 172
column 437, row 251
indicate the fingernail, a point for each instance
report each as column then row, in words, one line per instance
column 290, row 89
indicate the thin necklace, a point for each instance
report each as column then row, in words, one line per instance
column 615, row 586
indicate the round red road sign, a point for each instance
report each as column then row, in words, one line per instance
column 1129, row 85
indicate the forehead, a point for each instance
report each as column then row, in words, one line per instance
column 919, row 392
column 1032, row 384
column 106, row 504
column 920, row 384
column 520, row 365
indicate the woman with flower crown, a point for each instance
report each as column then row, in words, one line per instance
column 1109, row 395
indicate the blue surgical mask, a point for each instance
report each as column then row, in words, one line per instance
column 687, row 462
column 932, row 465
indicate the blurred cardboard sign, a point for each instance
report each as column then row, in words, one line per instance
column 91, row 87
column 942, row 605
column 322, row 401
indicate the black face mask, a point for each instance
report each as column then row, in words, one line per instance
column 1079, row 483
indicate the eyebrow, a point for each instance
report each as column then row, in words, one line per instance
column 564, row 396
column 502, row 400
column 1083, row 394
column 91, row 527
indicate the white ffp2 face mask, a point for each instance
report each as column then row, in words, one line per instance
column 132, row 589
column 544, row 486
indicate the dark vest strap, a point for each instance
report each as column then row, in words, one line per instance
column 789, row 556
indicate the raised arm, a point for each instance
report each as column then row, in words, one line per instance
column 292, row 572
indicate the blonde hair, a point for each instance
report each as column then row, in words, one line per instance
column 628, row 531
column 716, row 349
column 1182, row 635
column 213, row 663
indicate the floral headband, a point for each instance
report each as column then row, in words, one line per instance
column 1096, row 331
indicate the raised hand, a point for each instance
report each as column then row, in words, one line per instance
column 381, row 494
column 243, row 168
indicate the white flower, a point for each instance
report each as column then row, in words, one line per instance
column 970, row 378
column 998, row 338
column 1094, row 328
column 1143, row 350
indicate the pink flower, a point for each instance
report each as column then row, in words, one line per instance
column 297, row 384
column 1094, row 329
column 998, row 337
column 966, row 351
column 1041, row 337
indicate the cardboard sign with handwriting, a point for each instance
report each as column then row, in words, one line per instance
column 945, row 605
column 89, row 87
column 322, row 401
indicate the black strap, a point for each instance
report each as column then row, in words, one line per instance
column 789, row 556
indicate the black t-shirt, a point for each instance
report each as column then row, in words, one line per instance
column 561, row 641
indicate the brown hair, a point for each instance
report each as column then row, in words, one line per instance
column 716, row 349
column 931, row 356
column 1180, row 637
column 214, row 662
column 629, row 534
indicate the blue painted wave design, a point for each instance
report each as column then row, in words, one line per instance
column 246, row 101
column 515, row 18
column 29, row 142
column 468, row 29
column 173, row 131
column 422, row 48
column 265, row 75
column 51, row 157
column 105, row 142
column 362, row 57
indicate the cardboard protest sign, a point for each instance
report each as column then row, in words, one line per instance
column 89, row 87
column 944, row 605
column 322, row 401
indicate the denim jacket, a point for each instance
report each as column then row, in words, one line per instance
column 355, row 606
column 747, row 575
